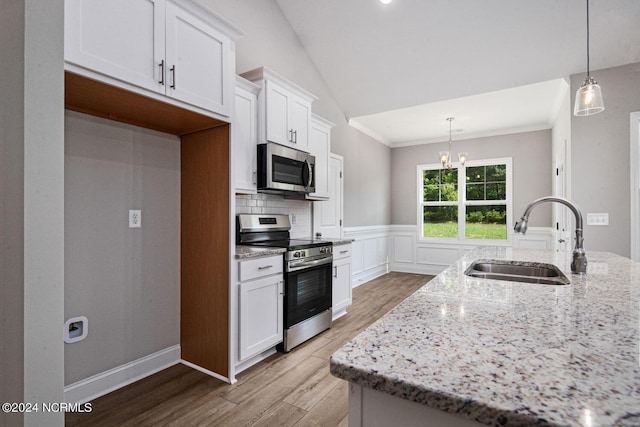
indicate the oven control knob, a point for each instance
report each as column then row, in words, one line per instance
column 297, row 254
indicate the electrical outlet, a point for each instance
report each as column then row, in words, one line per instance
column 293, row 219
column 135, row 218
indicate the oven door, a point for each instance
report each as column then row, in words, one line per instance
column 307, row 291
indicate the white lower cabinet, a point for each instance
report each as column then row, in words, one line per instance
column 261, row 290
column 341, row 280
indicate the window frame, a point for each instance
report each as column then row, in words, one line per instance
column 462, row 202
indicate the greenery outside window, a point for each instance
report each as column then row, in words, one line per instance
column 471, row 202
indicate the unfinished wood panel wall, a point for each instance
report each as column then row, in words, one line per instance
column 204, row 289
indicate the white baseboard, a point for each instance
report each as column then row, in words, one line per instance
column 246, row 364
column 206, row 371
column 120, row 376
column 417, row 268
column 368, row 275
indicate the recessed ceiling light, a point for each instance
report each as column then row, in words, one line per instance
column 385, row 1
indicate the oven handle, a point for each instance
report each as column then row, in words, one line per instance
column 306, row 264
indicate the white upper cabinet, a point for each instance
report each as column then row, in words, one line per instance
column 320, row 147
column 284, row 110
column 245, row 137
column 174, row 48
column 120, row 38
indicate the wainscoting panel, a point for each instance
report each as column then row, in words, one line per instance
column 536, row 238
column 436, row 255
column 404, row 248
column 370, row 256
column 379, row 249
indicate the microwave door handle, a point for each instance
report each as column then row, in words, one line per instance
column 308, row 181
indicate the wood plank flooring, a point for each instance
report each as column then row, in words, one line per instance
column 287, row 389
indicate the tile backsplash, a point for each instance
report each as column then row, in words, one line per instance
column 299, row 211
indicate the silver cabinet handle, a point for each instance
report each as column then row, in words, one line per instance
column 290, row 135
column 255, row 175
column 161, row 73
column 335, row 272
column 173, row 77
column 295, row 136
column 265, row 267
column 561, row 240
column 343, row 252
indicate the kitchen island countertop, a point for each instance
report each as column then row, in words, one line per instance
column 508, row 353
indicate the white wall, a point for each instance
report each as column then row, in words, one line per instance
column 126, row 281
column 270, row 41
column 31, row 206
column 600, row 158
column 532, row 171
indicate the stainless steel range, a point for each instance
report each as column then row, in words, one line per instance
column 307, row 267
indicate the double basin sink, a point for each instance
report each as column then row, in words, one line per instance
column 517, row 271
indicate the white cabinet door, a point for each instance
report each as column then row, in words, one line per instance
column 327, row 215
column 196, row 60
column 320, row 147
column 300, row 114
column 123, row 39
column 245, row 139
column 278, row 128
column 261, row 316
column 341, row 298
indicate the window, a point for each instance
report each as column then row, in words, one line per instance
column 471, row 202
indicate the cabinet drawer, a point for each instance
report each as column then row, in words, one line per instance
column 341, row 251
column 260, row 267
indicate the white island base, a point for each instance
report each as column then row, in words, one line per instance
column 372, row 408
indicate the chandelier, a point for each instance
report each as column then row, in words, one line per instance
column 445, row 156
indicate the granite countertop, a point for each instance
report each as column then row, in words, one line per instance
column 334, row 240
column 507, row 353
column 243, row 252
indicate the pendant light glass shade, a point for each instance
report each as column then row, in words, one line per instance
column 588, row 98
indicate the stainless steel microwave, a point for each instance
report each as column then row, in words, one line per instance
column 285, row 170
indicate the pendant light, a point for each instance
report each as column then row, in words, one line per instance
column 445, row 156
column 589, row 96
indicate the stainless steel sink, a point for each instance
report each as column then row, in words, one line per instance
column 517, row 271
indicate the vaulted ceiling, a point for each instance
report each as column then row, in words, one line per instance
column 399, row 70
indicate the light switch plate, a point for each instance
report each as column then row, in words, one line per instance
column 597, row 219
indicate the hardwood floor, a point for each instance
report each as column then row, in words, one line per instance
column 292, row 389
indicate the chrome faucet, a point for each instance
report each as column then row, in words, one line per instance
column 579, row 261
